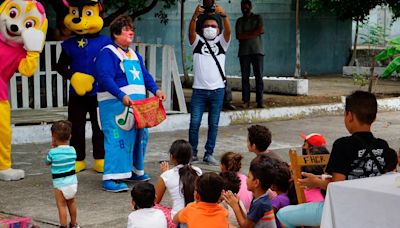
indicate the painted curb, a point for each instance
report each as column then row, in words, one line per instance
column 41, row 133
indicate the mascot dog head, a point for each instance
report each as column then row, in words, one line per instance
column 16, row 16
column 84, row 16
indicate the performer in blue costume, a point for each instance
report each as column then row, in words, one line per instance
column 76, row 63
column 122, row 78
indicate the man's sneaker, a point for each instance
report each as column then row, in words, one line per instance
column 246, row 105
column 74, row 225
column 195, row 158
column 261, row 105
column 229, row 106
column 135, row 177
column 113, row 186
column 210, row 160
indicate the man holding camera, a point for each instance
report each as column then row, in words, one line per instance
column 209, row 50
column 249, row 29
column 209, row 7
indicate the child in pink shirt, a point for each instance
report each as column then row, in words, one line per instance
column 232, row 162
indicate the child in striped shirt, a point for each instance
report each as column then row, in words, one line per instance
column 62, row 158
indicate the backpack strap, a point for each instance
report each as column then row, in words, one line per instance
column 221, row 72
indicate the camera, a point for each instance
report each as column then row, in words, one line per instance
column 208, row 6
column 209, row 9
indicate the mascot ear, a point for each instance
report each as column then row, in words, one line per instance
column 66, row 3
column 101, row 6
column 3, row 5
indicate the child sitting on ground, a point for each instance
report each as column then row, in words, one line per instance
column 258, row 141
column 284, row 187
column 260, row 178
column 232, row 162
column 205, row 212
column 62, row 158
column 231, row 183
column 144, row 215
column 179, row 180
column 314, row 144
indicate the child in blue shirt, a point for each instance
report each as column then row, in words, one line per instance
column 260, row 178
column 62, row 158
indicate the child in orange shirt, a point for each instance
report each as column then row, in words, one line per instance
column 205, row 212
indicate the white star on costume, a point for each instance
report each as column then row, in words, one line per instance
column 135, row 73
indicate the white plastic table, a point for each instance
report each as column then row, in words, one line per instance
column 368, row 202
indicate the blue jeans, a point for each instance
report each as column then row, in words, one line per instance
column 306, row 214
column 202, row 99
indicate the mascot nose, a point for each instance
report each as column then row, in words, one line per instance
column 76, row 20
column 14, row 28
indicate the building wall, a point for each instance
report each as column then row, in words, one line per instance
column 325, row 41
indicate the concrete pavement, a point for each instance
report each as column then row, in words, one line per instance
column 33, row 196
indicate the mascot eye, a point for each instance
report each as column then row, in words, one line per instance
column 13, row 12
column 89, row 12
column 74, row 12
column 29, row 23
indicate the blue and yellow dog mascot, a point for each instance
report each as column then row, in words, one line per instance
column 23, row 27
column 76, row 63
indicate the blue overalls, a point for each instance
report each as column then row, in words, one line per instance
column 125, row 146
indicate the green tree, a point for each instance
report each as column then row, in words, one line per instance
column 136, row 8
column 393, row 51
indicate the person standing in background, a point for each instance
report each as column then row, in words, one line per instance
column 208, row 87
column 249, row 29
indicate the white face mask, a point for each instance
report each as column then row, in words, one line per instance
column 210, row 33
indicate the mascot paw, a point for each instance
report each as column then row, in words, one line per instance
column 11, row 174
column 98, row 165
column 80, row 166
column 82, row 83
column 33, row 39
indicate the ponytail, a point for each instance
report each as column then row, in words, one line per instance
column 187, row 178
column 292, row 193
column 181, row 151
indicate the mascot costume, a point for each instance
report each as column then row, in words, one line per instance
column 76, row 63
column 23, row 27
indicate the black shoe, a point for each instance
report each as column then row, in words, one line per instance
column 261, row 105
column 229, row 107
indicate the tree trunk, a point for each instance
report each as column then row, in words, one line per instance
column 183, row 48
column 354, row 54
column 372, row 77
column 297, row 71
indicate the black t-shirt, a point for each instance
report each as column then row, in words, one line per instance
column 347, row 156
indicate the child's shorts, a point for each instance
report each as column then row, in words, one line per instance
column 69, row 191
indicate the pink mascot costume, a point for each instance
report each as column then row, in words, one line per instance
column 23, row 26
